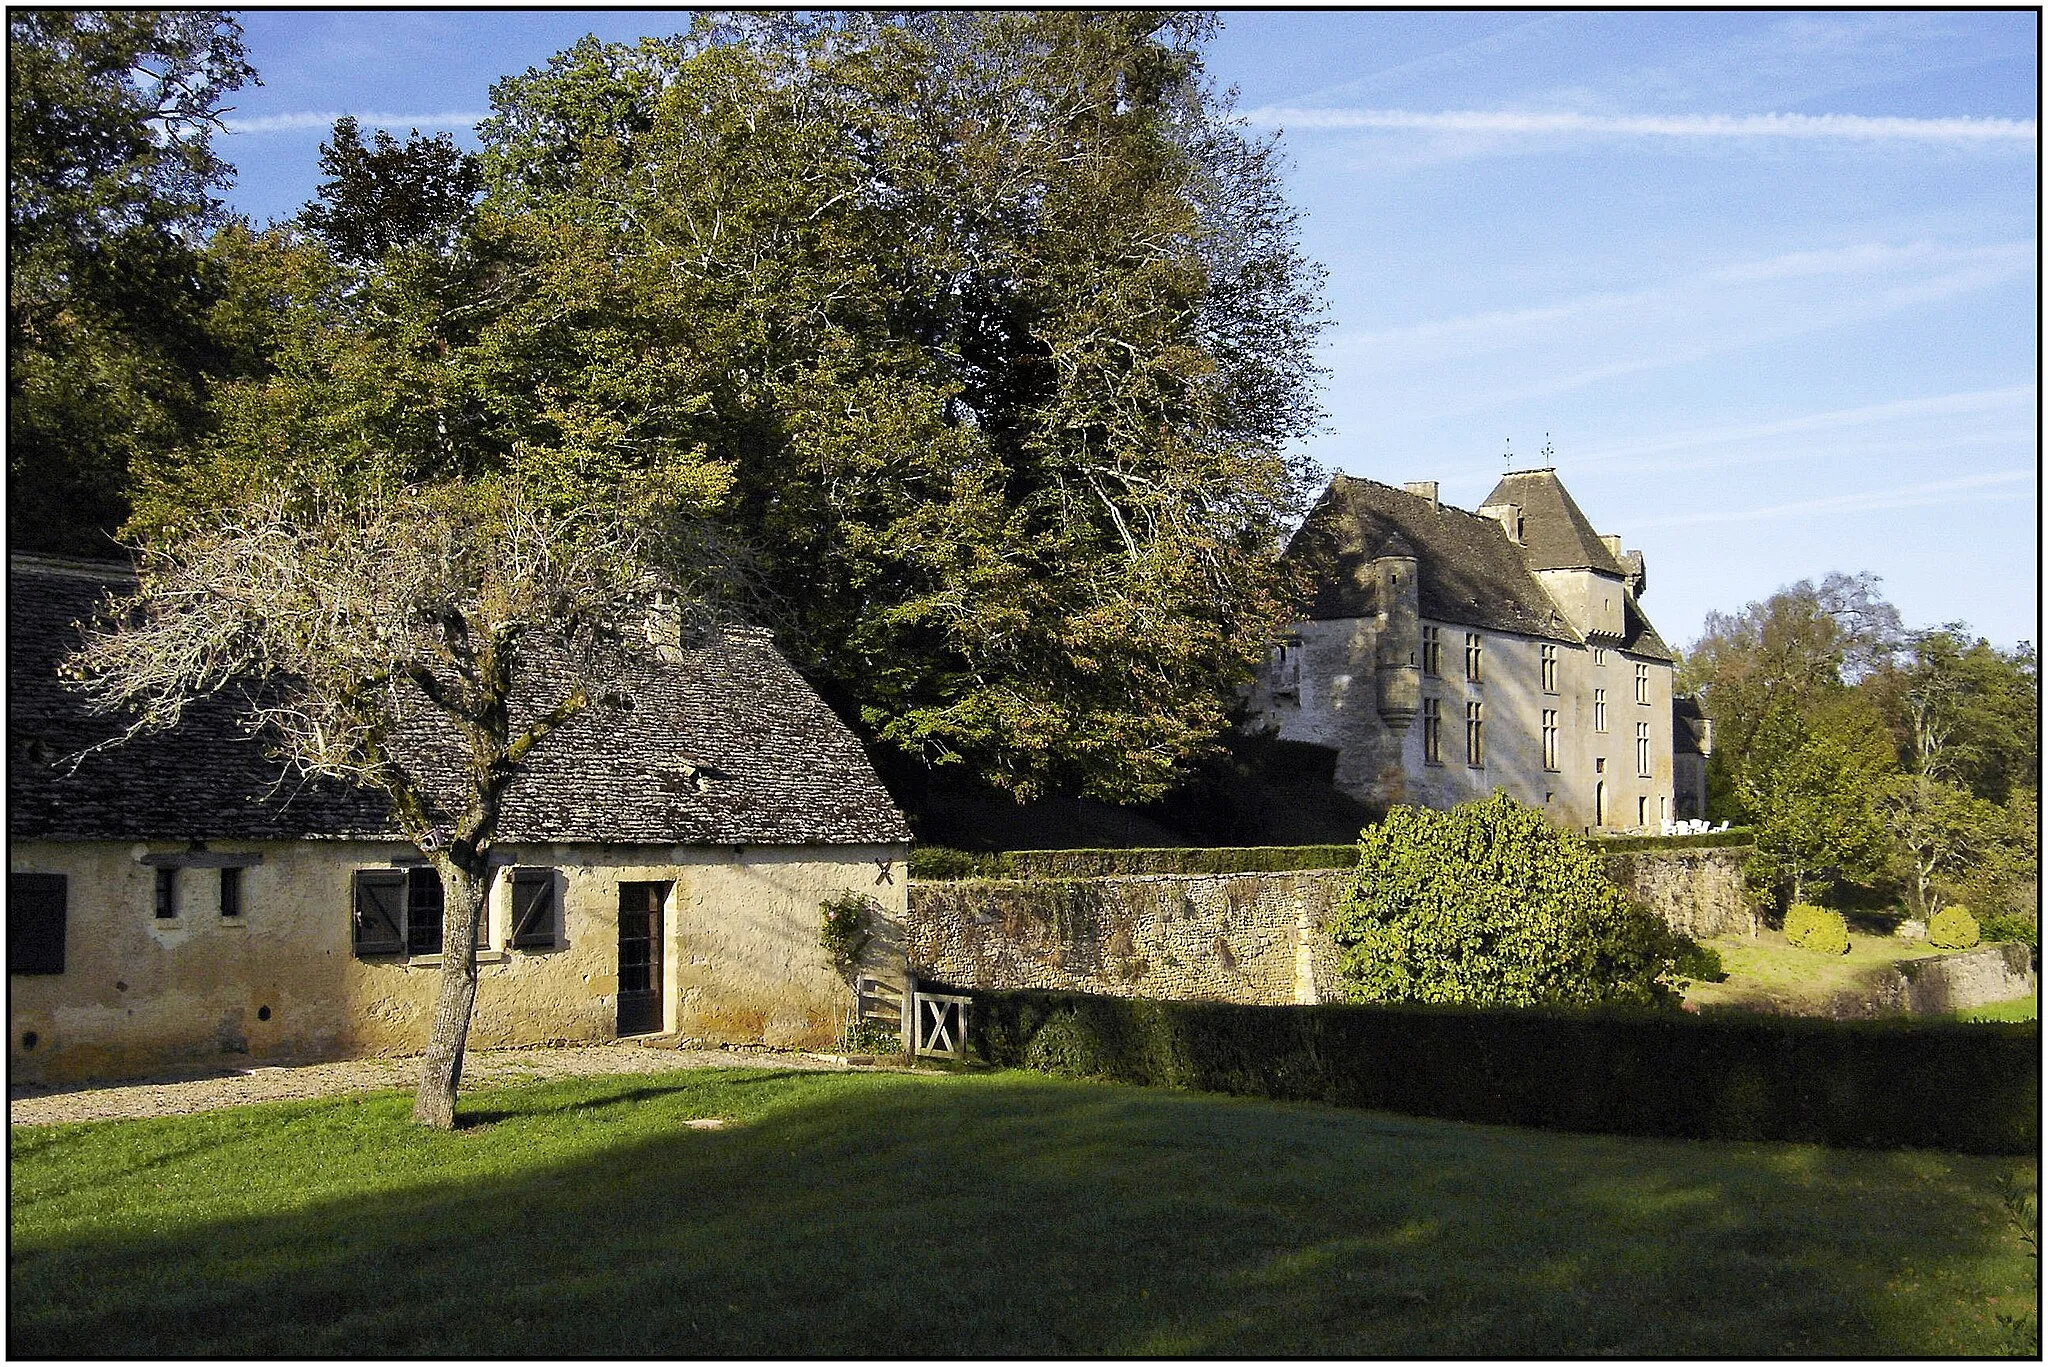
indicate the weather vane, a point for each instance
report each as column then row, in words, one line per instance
column 1549, row 456
column 1507, row 457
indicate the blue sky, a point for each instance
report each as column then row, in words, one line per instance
column 1765, row 280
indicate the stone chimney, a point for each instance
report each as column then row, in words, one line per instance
column 1613, row 544
column 1424, row 489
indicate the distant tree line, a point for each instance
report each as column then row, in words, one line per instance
column 1876, row 761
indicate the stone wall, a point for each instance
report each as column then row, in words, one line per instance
column 1698, row 892
column 1256, row 938
column 1250, row 937
column 1941, row 983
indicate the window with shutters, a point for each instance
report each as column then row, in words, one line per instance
column 35, row 922
column 397, row 911
column 536, row 909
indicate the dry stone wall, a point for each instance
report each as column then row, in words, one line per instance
column 1941, row 983
column 1249, row 938
column 1698, row 892
column 1254, row 938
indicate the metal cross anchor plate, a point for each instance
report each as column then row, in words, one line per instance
column 942, row 1026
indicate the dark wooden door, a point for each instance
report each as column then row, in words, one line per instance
column 640, row 908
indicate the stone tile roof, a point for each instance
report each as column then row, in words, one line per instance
column 1556, row 534
column 1471, row 574
column 726, row 745
column 1638, row 637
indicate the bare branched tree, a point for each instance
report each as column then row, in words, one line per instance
column 417, row 641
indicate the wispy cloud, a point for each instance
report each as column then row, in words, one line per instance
column 292, row 123
column 2011, row 401
column 1513, row 123
column 1449, row 366
column 1937, row 493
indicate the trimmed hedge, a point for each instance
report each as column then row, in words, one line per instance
column 938, row 864
column 1953, row 928
column 1708, row 840
column 1891, row 1083
column 1816, row 928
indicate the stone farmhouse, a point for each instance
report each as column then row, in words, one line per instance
column 178, row 901
column 1449, row 653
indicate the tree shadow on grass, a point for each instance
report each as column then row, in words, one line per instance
column 1020, row 1216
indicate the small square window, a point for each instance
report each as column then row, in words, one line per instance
column 536, row 909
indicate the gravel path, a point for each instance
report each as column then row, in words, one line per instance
column 35, row 1105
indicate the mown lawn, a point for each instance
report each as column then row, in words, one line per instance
column 1769, row 974
column 988, row 1214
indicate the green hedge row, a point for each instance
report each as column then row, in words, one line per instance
column 937, row 863
column 1870, row 1084
column 1628, row 844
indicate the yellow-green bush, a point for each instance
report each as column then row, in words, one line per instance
column 1953, row 927
column 1817, row 929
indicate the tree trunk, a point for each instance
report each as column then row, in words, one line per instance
column 454, row 1000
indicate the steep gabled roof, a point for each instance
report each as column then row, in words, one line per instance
column 1470, row 573
column 1688, row 727
column 1638, row 637
column 724, row 746
column 1556, row 534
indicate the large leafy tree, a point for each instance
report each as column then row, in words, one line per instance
column 111, row 181
column 997, row 319
column 1813, row 784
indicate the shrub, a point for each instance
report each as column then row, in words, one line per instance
column 1874, row 1084
column 1702, row 963
column 843, row 928
column 1490, row 904
column 937, row 863
column 1817, row 929
column 1953, row 927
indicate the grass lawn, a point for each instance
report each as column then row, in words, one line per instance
column 851, row 1214
column 2018, row 1009
column 1767, row 973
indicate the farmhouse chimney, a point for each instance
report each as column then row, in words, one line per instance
column 1424, row 489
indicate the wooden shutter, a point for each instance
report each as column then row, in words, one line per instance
column 380, row 912
column 534, row 924
column 35, row 922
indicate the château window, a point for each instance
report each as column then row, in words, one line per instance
column 1287, row 670
column 1599, row 657
column 1432, row 650
column 1475, row 740
column 1643, row 684
column 1550, row 740
column 1472, row 656
column 1432, row 731
column 1642, row 749
column 1549, row 669
column 1599, row 709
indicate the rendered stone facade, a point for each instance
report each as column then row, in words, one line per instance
column 726, row 788
column 1447, row 654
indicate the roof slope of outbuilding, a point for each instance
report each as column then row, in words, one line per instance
column 1470, row 573
column 1556, row 535
column 723, row 745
